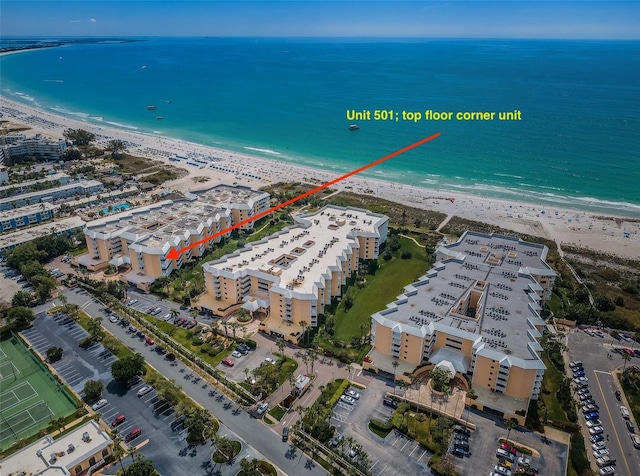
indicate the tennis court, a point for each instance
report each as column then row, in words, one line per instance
column 30, row 397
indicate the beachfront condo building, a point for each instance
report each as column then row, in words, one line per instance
column 288, row 278
column 65, row 227
column 11, row 138
column 29, row 215
column 477, row 311
column 140, row 239
column 50, row 181
column 74, row 189
column 39, row 146
column 79, row 452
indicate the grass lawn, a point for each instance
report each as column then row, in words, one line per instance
column 277, row 412
column 285, row 369
column 380, row 289
column 550, row 385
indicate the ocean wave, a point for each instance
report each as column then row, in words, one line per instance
column 62, row 110
column 96, row 118
column 264, row 151
column 509, row 175
column 25, row 96
column 117, row 124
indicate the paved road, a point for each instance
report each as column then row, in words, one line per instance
column 252, row 431
column 592, row 351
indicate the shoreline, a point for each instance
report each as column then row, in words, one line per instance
column 594, row 230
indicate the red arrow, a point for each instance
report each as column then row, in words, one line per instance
column 175, row 254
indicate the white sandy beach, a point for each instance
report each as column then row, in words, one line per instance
column 564, row 226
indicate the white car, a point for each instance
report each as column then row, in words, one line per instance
column 113, row 318
column 596, row 430
column 524, row 461
column 132, row 302
column 262, row 408
column 236, row 354
column 353, row 394
column 608, row 470
column 99, row 404
column 270, row 360
column 593, row 423
column 600, row 453
column 347, row 399
column 599, row 445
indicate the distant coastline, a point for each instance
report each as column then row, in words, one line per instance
column 18, row 45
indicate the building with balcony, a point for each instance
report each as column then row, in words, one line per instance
column 39, row 146
column 74, row 189
column 478, row 310
column 289, row 277
column 141, row 238
column 29, row 215
column 77, row 453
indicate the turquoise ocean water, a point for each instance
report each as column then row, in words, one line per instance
column 577, row 143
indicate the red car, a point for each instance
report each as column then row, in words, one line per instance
column 228, row 362
column 118, row 420
column 149, row 341
column 508, row 448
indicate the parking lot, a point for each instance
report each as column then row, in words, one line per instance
column 393, row 456
column 251, row 361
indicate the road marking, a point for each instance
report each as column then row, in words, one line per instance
column 382, row 470
column 622, row 454
column 414, row 448
column 374, row 464
column 402, row 449
column 601, row 372
column 423, row 453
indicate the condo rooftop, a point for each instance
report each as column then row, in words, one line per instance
column 10, row 240
column 299, row 254
column 483, row 289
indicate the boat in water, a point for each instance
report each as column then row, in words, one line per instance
column 159, row 118
column 151, row 108
column 354, row 127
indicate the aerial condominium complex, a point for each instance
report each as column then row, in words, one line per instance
column 477, row 311
column 141, row 238
column 65, row 227
column 288, row 278
column 10, row 219
column 49, row 181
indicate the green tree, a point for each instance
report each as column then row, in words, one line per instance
column 79, row 137
column 93, row 389
column 130, row 366
column 94, row 327
column 22, row 298
column 54, row 353
column 20, row 316
column 116, row 148
column 440, row 379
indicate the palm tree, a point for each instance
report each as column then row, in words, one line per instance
column 363, row 331
column 304, row 326
column 510, row 426
column 133, row 451
column 175, row 314
column 312, row 357
column 349, row 369
column 626, row 357
column 281, row 345
column 63, row 299
column 118, row 450
column 395, row 365
column 234, row 326
column 215, row 326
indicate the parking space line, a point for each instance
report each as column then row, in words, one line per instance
column 423, row 453
column 414, row 448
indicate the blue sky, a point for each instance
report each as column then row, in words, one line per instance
column 347, row 18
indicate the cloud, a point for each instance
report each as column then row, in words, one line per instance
column 93, row 20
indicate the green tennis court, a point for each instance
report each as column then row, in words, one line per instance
column 30, row 397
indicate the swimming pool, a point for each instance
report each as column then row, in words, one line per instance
column 116, row 208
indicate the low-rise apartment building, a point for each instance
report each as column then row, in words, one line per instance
column 49, row 181
column 141, row 238
column 72, row 454
column 85, row 187
column 288, row 278
column 66, row 226
column 478, row 310
column 29, row 215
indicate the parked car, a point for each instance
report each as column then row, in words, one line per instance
column 285, row 433
column 459, row 452
column 509, row 448
column 228, row 362
column 353, row 394
column 618, row 395
column 99, row 404
column 635, row 439
column 591, row 417
column 113, row 318
column 347, row 399
column 607, row 470
column 575, row 364
column 118, row 420
column 502, row 470
column 625, row 412
column 585, row 397
column 597, row 437
column 504, row 454
column 149, row 341
column 236, row 354
column 588, row 408
column 262, row 408
column 390, row 402
column 131, row 302
column 630, row 426
column 462, row 429
column 605, row 461
column 133, row 434
column 144, row 390
column 599, row 445
column 600, row 453
column 596, row 430
column 593, row 423
column 337, row 438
